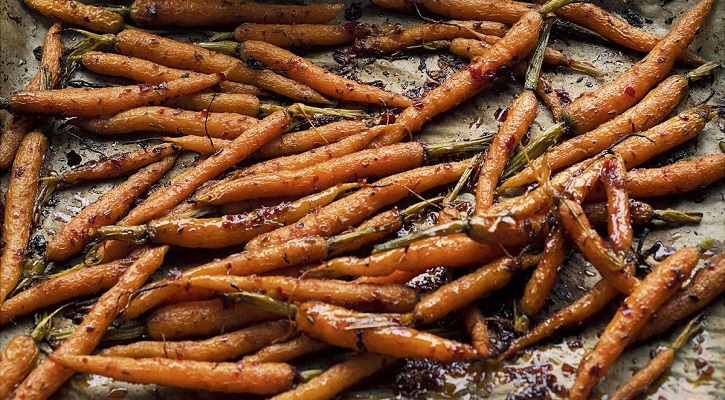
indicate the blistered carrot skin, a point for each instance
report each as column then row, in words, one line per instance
column 107, row 209
column 116, row 165
column 632, row 315
column 91, row 17
column 594, row 108
column 135, row 43
column 357, row 296
column 619, row 223
column 19, row 199
column 90, row 103
column 325, row 82
column 338, row 378
column 218, row 348
column 201, row 14
column 303, row 35
column 44, row 380
column 655, row 106
column 352, row 210
column 705, row 286
column 149, row 72
column 83, row 282
column 290, row 253
column 400, row 38
column 521, row 114
column 16, row 127
column 266, row 379
column 335, row 325
column 16, row 360
column 544, row 277
column 301, row 141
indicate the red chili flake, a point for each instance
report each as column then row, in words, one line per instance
column 629, row 91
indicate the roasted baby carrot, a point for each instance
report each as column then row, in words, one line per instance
column 680, row 177
column 507, row 13
column 632, row 315
column 45, row 379
column 642, row 214
column 325, row 82
column 218, row 348
column 619, row 223
column 149, row 72
column 289, row 350
column 199, row 13
column 106, row 210
column 478, row 331
column 263, row 378
column 302, row 35
column 338, row 378
column 542, row 280
column 16, row 361
column 86, row 102
column 244, row 104
column 170, row 120
column 94, row 18
column 132, row 42
column 300, row 141
column 202, row 319
column 47, row 77
column 19, row 200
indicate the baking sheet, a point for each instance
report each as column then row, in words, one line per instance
column 22, row 31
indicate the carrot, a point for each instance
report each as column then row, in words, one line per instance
column 647, row 375
column 338, row 378
column 460, row 251
column 507, row 13
column 218, row 348
column 400, row 38
column 602, row 105
column 94, row 18
column 227, row 230
column 16, row 361
column 303, row 35
column 244, row 104
column 85, row 102
column 521, row 114
column 78, row 283
column 282, row 352
column 619, row 223
column 542, row 280
column 325, row 82
column 47, row 77
column 257, row 261
column 45, row 379
column 175, row 54
column 19, row 200
column 268, row 378
column 149, row 72
column 705, row 286
column 337, row 326
column 583, row 308
column 353, row 209
column 200, row 319
column 368, row 163
column 200, row 14
column 632, row 315
column 358, row 296
column 106, row 210
column 641, row 213
column 478, row 331
column 300, row 141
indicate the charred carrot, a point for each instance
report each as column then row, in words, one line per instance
column 94, row 18
column 632, row 315
column 289, row 350
column 175, row 54
column 85, row 102
column 307, row 73
column 19, row 200
column 106, row 210
column 704, row 287
column 49, row 375
column 267, row 378
column 478, row 331
column 202, row 319
column 199, row 14
column 619, row 223
column 302, row 35
column 338, row 377
column 642, row 214
column 16, row 361
column 542, row 280
column 218, row 348
column 47, row 77
column 149, row 72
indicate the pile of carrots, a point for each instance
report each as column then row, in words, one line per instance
column 324, row 209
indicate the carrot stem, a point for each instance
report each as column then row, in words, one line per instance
column 534, row 149
column 537, row 56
